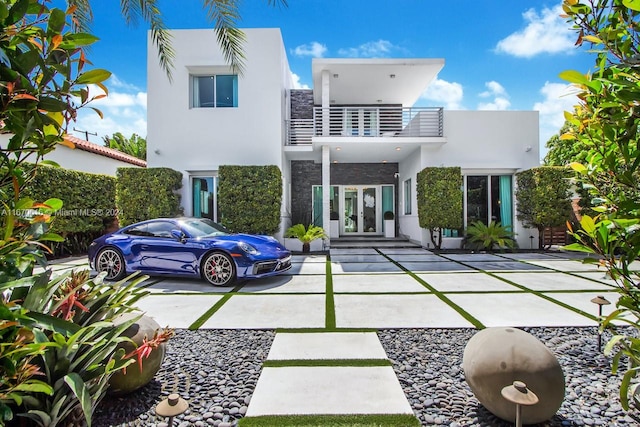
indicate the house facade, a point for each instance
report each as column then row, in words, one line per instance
column 349, row 149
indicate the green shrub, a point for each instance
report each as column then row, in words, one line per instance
column 89, row 204
column 439, row 193
column 250, row 198
column 143, row 194
column 543, row 197
column 483, row 237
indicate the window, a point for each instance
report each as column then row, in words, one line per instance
column 488, row 198
column 407, row 197
column 161, row 229
column 316, row 202
column 216, row 91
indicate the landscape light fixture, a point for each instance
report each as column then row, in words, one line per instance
column 172, row 406
column 392, row 76
column 519, row 394
column 600, row 301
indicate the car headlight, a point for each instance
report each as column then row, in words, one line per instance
column 248, row 248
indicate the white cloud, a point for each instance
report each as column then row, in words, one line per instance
column 500, row 97
column 379, row 48
column 447, row 94
column 124, row 110
column 313, row 49
column 546, row 32
column 557, row 98
column 296, row 82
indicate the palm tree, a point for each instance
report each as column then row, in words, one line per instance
column 135, row 146
column 224, row 14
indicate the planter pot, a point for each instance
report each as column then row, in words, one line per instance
column 334, row 229
column 389, row 228
column 121, row 383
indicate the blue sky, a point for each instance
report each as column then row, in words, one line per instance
column 499, row 54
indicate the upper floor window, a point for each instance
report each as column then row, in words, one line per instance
column 215, row 91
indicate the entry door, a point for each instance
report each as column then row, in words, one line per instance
column 361, row 210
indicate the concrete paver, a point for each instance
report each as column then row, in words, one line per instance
column 177, row 311
column 421, row 267
column 474, row 281
column 368, row 283
column 269, row 312
column 359, row 267
column 287, row 284
column 395, row 311
column 327, row 346
column 550, row 281
column 328, row 390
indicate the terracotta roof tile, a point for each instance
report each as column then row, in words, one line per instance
column 81, row 144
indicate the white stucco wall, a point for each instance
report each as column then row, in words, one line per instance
column 81, row 160
column 481, row 143
column 199, row 140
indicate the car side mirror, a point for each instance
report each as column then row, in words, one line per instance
column 178, row 235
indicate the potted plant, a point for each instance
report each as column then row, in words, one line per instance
column 389, row 224
column 334, row 229
column 306, row 235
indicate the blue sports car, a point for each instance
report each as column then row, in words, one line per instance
column 188, row 247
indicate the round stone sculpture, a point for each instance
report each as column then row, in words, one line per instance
column 123, row 383
column 496, row 357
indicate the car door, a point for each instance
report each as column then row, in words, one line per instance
column 160, row 252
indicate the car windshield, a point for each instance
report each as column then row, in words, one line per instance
column 202, row 227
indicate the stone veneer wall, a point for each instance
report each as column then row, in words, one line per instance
column 301, row 103
column 305, row 174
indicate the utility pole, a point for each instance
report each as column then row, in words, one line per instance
column 86, row 133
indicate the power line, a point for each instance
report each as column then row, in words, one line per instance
column 86, row 133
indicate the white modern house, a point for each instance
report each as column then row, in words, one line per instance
column 349, row 149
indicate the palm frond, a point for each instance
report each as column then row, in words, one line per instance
column 82, row 16
column 225, row 16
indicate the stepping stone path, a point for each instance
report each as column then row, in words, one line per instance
column 299, row 388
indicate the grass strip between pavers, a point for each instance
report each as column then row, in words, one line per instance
column 330, row 308
column 202, row 319
column 354, row 363
column 376, row 420
column 532, row 291
column 475, row 322
column 321, row 330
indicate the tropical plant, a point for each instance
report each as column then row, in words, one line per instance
column 563, row 151
column 606, row 122
column 483, row 237
column 135, row 146
column 306, row 234
column 224, row 14
column 439, row 192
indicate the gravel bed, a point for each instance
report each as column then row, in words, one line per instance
column 428, row 363
column 217, row 370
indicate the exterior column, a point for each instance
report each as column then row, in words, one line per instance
column 326, row 189
column 326, row 101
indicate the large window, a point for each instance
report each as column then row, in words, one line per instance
column 488, row 198
column 316, row 208
column 215, row 91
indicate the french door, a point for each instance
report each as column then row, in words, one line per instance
column 362, row 210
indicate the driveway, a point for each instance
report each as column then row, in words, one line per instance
column 390, row 288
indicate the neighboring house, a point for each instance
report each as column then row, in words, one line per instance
column 349, row 149
column 88, row 157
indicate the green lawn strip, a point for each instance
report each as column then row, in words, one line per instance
column 321, row 330
column 376, row 420
column 358, row 363
column 202, row 319
column 475, row 322
column 533, row 291
column 330, row 308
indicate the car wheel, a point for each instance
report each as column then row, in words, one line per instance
column 218, row 269
column 111, row 261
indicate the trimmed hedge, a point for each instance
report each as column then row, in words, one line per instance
column 439, row 192
column 89, row 205
column 543, row 197
column 143, row 194
column 250, row 198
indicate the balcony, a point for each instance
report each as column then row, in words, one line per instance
column 366, row 122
